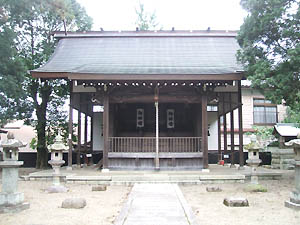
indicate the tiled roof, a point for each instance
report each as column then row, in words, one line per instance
column 145, row 53
column 287, row 129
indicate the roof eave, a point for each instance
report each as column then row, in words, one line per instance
column 94, row 76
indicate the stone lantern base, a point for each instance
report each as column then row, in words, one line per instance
column 294, row 201
column 12, row 202
column 56, row 187
column 14, row 208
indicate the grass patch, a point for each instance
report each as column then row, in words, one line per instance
column 255, row 188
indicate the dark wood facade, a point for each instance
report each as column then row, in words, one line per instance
column 182, row 141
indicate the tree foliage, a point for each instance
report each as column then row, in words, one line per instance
column 34, row 22
column 270, row 48
column 13, row 104
column 145, row 20
column 293, row 116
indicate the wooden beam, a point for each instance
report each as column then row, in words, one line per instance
column 150, row 99
column 204, row 131
column 105, row 130
column 240, row 112
column 70, row 127
column 153, row 77
column 162, row 155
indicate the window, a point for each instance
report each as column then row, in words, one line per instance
column 98, row 108
column 212, row 108
column 140, row 118
column 170, row 118
column 264, row 112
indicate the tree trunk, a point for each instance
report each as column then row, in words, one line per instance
column 42, row 153
column 41, row 110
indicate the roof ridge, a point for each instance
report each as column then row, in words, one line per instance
column 149, row 33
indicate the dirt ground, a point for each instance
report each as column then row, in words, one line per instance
column 103, row 207
column 264, row 208
column 45, row 209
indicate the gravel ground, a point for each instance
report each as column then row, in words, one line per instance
column 264, row 208
column 45, row 209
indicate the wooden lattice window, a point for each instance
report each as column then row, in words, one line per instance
column 139, row 118
column 170, row 118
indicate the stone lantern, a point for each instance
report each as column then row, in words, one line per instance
column 253, row 158
column 294, row 201
column 10, row 199
column 56, row 162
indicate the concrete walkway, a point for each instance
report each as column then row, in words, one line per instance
column 156, row 204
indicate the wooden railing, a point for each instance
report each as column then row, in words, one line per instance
column 147, row 144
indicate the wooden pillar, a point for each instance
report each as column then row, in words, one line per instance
column 232, row 136
column 219, row 139
column 224, row 129
column 79, row 137
column 240, row 112
column 70, row 128
column 85, row 138
column 105, row 130
column 204, row 131
column 156, row 136
column 92, row 132
column 91, row 139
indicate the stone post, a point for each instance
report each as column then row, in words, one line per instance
column 56, row 162
column 294, row 201
column 10, row 199
column 253, row 158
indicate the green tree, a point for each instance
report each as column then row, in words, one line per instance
column 145, row 20
column 13, row 97
column 292, row 116
column 34, row 22
column 270, row 48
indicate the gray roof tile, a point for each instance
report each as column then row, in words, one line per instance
column 145, row 55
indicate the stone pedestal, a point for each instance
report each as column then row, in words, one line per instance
column 282, row 158
column 10, row 199
column 294, row 201
column 56, row 162
column 253, row 158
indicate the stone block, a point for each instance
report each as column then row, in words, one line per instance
column 73, row 203
column 292, row 205
column 11, row 198
column 213, row 189
column 57, row 189
column 236, row 202
column 14, row 208
column 288, row 167
column 275, row 161
column 99, row 188
column 275, row 166
column 288, row 161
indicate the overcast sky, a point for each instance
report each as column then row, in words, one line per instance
column 181, row 14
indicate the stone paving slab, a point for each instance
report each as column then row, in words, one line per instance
column 158, row 204
column 216, row 174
